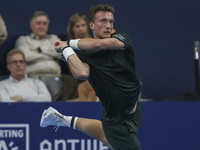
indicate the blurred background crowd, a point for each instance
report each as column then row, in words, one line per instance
column 162, row 34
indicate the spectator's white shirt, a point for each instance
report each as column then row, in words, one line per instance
column 31, row 90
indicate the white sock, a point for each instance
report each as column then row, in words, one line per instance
column 70, row 121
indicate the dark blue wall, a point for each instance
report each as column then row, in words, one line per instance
column 162, row 33
column 166, row 125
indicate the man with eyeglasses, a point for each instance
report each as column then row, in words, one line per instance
column 18, row 87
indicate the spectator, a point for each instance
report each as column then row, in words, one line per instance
column 3, row 31
column 38, row 47
column 77, row 28
column 20, row 88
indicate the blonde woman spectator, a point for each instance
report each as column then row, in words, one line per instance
column 77, row 28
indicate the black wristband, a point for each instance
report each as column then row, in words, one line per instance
column 64, row 48
column 72, row 122
column 68, row 42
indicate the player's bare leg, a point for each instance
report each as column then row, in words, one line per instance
column 91, row 127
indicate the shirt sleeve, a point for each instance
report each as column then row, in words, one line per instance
column 43, row 94
column 23, row 45
column 124, row 38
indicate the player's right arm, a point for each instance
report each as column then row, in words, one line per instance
column 78, row 69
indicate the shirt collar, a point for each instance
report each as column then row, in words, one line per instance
column 37, row 37
column 12, row 79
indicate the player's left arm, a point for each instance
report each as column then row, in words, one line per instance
column 117, row 41
column 100, row 44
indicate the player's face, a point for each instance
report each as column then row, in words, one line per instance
column 102, row 25
column 39, row 26
column 80, row 29
column 17, row 65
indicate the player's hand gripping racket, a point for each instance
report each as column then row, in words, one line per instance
column 57, row 46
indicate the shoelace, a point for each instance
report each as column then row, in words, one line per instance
column 55, row 118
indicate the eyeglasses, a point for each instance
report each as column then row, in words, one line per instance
column 18, row 61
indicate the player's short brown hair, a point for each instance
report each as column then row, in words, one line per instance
column 97, row 8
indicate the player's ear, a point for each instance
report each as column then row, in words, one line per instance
column 91, row 24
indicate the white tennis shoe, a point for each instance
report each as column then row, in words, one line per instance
column 52, row 117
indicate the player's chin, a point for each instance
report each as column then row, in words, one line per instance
column 106, row 36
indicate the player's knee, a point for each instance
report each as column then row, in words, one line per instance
column 105, row 141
